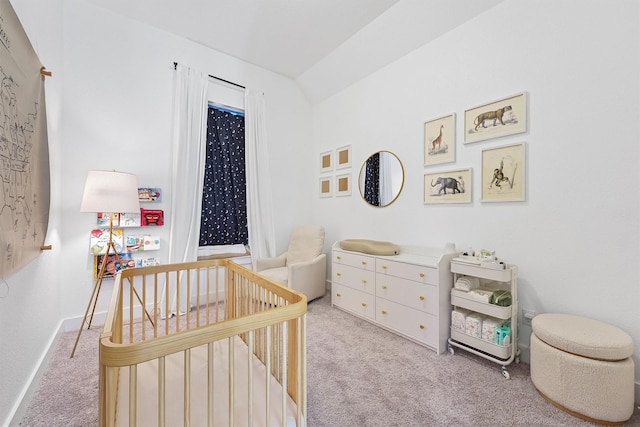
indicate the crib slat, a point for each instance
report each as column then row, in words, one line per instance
column 210, row 383
column 267, row 364
column 187, row 387
column 231, row 381
column 250, row 378
column 133, row 394
column 162, row 410
column 284, row 381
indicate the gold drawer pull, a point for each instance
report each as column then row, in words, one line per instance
column 384, row 311
column 338, row 294
column 364, row 281
column 384, row 286
column 364, row 304
column 384, row 267
column 338, row 274
column 364, row 262
column 421, row 326
column 421, row 274
column 421, row 298
column 339, row 257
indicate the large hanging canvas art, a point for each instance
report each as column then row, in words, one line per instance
column 24, row 153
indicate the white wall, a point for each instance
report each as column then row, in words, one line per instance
column 112, row 110
column 575, row 238
column 118, row 101
column 30, row 299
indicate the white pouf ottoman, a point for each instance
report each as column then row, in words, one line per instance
column 583, row 366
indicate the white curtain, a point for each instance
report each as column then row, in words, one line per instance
column 259, row 209
column 386, row 192
column 189, row 144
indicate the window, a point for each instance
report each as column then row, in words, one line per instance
column 224, row 201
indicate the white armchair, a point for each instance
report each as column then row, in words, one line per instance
column 303, row 267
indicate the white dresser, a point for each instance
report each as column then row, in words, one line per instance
column 408, row 294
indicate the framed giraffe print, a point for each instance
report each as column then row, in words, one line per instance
column 440, row 140
column 507, row 116
column 503, row 174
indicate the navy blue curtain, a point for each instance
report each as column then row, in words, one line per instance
column 224, row 198
column 372, row 180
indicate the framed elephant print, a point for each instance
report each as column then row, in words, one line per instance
column 453, row 186
column 503, row 174
column 507, row 116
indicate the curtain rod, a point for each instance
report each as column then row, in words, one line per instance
column 175, row 64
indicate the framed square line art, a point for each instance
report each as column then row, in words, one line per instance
column 503, row 174
column 343, row 185
column 343, row 157
column 440, row 140
column 453, row 186
column 325, row 187
column 507, row 116
column 326, row 161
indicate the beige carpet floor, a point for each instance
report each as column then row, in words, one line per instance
column 358, row 376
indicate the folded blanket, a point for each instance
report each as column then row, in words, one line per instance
column 467, row 283
column 483, row 295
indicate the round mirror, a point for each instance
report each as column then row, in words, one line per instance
column 381, row 179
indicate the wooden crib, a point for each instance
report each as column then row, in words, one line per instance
column 236, row 357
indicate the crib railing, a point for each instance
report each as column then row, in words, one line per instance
column 212, row 300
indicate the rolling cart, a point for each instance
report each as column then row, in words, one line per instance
column 499, row 276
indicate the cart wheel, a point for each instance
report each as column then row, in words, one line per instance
column 505, row 373
column 451, row 350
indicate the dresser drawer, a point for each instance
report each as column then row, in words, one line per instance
column 356, row 278
column 354, row 260
column 416, row 324
column 407, row 292
column 357, row 302
column 418, row 273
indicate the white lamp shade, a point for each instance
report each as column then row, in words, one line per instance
column 111, row 192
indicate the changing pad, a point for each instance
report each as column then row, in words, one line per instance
column 371, row 247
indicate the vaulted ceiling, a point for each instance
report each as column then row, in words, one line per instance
column 325, row 45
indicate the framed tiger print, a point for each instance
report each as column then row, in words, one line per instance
column 507, row 116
